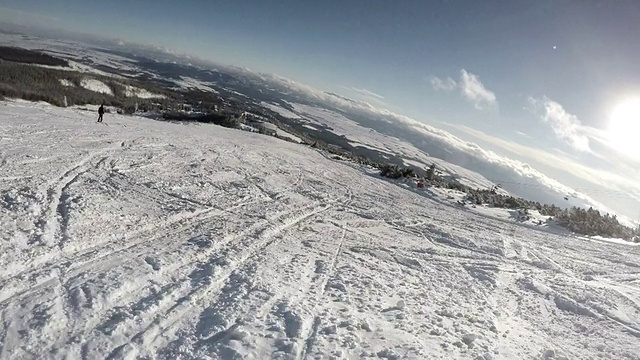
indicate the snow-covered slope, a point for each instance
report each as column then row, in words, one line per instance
column 160, row 240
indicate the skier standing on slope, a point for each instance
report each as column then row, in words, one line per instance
column 100, row 112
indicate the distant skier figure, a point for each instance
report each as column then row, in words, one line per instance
column 100, row 112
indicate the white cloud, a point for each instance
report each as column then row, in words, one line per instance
column 368, row 93
column 599, row 182
column 566, row 126
column 471, row 88
column 524, row 134
column 446, row 85
column 564, row 162
column 364, row 95
column 474, row 91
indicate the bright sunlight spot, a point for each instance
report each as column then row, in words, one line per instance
column 624, row 128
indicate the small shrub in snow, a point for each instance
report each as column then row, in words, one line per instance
column 330, row 330
column 389, row 354
column 469, row 338
column 364, row 324
column 395, row 172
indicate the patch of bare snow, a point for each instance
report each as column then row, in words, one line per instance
column 96, row 86
column 359, row 144
column 236, row 93
column 66, row 82
column 281, row 132
column 289, row 135
column 186, row 82
column 609, row 240
column 280, row 110
column 132, row 91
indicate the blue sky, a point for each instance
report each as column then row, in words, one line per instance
column 513, row 76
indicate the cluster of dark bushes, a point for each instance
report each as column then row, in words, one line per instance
column 396, row 172
column 30, row 83
column 30, row 57
column 589, row 222
column 225, row 120
column 339, row 153
column 206, row 101
column 592, row 222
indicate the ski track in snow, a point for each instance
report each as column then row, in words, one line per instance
column 146, row 239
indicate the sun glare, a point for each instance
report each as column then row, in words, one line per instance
column 624, row 128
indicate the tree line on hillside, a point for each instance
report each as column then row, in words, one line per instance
column 226, row 120
column 589, row 222
column 30, row 57
column 35, row 83
column 64, row 88
column 581, row 221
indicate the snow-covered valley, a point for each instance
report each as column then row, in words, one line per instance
column 146, row 239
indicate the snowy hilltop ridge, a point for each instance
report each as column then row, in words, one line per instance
column 152, row 239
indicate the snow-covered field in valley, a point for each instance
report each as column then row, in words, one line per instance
column 144, row 239
column 97, row 86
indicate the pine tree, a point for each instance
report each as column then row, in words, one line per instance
column 431, row 173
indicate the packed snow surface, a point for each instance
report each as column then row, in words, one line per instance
column 144, row 239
